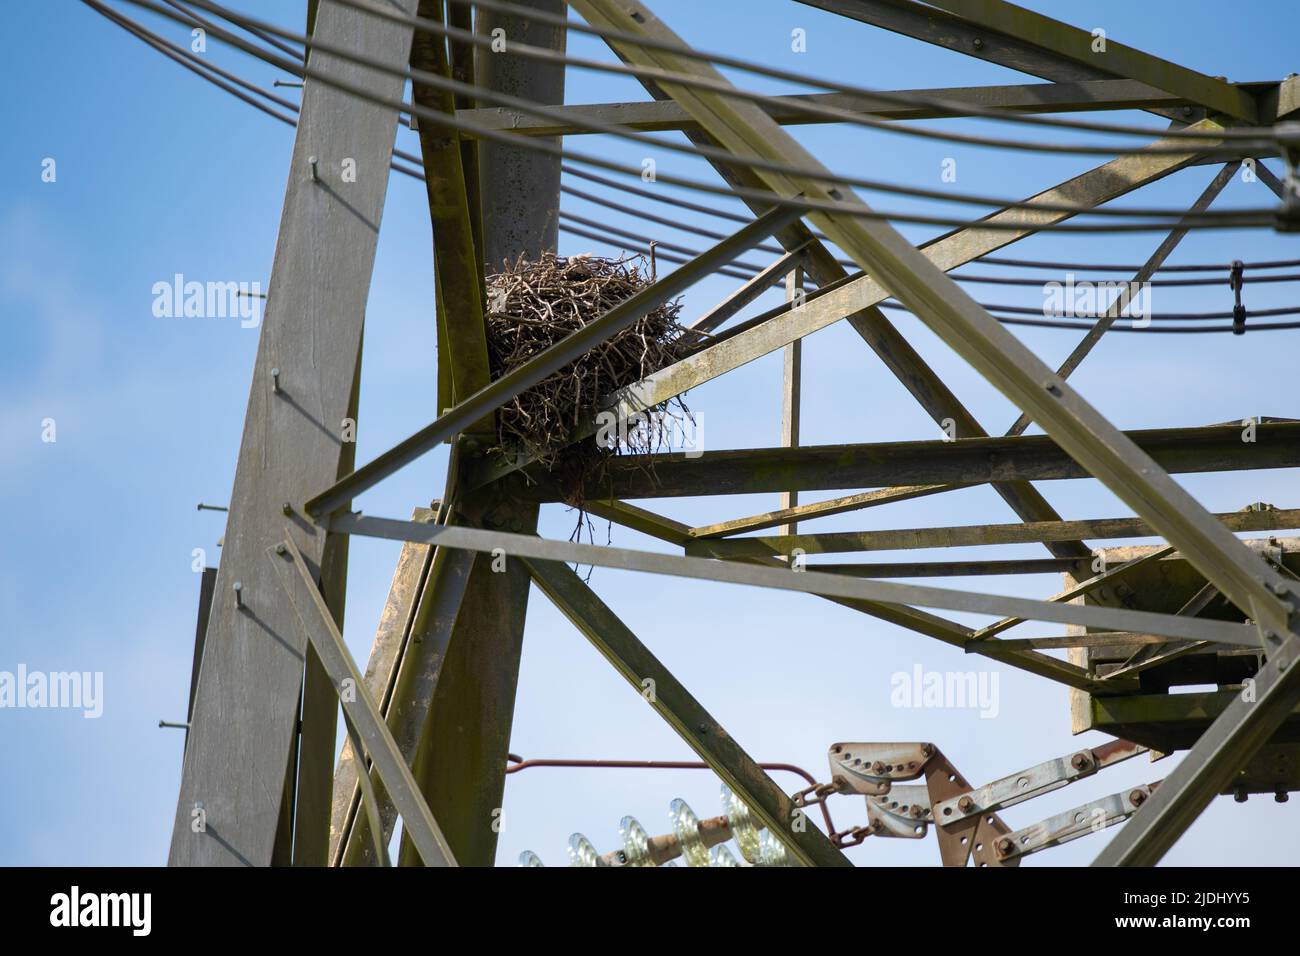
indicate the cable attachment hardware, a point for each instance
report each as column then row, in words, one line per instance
column 1238, row 310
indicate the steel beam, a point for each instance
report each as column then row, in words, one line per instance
column 448, row 173
column 416, row 679
column 792, row 391
column 654, row 115
column 1086, row 586
column 1081, row 47
column 317, row 627
column 681, row 711
column 788, row 579
column 833, row 467
column 948, row 569
column 1206, row 770
column 963, row 536
column 932, row 25
column 391, row 637
column 771, row 276
column 457, row 697
column 247, row 707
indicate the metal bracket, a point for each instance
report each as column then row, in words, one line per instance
column 1035, row 781
column 1091, row 817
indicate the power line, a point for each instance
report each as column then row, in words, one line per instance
column 725, row 156
column 863, row 118
column 1050, row 320
column 283, row 47
column 893, row 96
column 160, row 43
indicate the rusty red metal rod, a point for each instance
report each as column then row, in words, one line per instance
column 517, row 763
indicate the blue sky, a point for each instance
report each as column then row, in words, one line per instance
column 159, row 173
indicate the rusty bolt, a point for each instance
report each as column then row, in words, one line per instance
column 927, row 750
column 1137, row 798
column 1005, row 846
column 877, row 826
column 1079, row 761
column 965, row 804
column 877, row 767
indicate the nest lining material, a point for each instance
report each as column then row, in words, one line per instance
column 534, row 304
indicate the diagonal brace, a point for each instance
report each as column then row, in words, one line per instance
column 358, row 705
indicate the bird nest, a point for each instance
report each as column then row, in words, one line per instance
column 534, row 304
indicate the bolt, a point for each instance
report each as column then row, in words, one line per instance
column 1280, row 795
column 927, row 750
column 965, row 804
column 1137, row 797
column 1239, row 793
column 275, row 380
column 1005, row 846
column 239, row 594
column 1079, row 761
column 286, row 509
column 877, row 767
column 281, row 549
column 315, row 176
column 977, row 43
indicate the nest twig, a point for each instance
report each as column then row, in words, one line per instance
column 534, row 304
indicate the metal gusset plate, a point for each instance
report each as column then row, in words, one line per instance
column 903, row 812
column 871, row 769
column 972, row 837
column 1092, row 817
